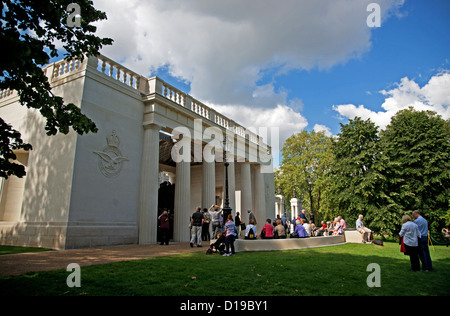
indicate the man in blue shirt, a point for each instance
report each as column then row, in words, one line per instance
column 424, row 252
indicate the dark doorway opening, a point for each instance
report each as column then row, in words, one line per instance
column 166, row 200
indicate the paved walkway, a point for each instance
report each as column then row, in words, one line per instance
column 16, row 264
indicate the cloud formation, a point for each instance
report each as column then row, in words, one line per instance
column 224, row 49
column 434, row 96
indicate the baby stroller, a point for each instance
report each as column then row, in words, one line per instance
column 218, row 246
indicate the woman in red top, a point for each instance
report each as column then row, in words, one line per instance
column 267, row 230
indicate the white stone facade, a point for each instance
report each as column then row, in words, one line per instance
column 102, row 189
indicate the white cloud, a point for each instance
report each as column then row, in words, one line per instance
column 434, row 96
column 322, row 128
column 280, row 122
column 222, row 48
column 282, row 117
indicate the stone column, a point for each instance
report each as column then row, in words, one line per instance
column 260, row 197
column 182, row 212
column 208, row 184
column 280, row 205
column 295, row 208
column 148, row 208
column 246, row 192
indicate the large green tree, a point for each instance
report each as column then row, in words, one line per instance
column 29, row 30
column 306, row 160
column 417, row 145
column 355, row 179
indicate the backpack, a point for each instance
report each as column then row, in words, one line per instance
column 377, row 242
column 251, row 234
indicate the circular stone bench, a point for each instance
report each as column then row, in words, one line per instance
column 353, row 236
column 289, row 243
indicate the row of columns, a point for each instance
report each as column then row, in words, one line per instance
column 150, row 185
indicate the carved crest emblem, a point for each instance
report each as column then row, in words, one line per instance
column 110, row 160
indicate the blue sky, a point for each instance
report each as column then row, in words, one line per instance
column 416, row 46
column 289, row 64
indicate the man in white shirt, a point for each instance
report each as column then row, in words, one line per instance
column 424, row 252
column 362, row 229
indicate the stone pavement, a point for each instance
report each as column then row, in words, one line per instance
column 16, row 264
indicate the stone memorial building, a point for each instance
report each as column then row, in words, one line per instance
column 156, row 148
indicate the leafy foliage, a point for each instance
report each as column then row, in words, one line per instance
column 30, row 30
column 354, row 174
column 381, row 175
column 306, row 160
column 418, row 145
column 9, row 142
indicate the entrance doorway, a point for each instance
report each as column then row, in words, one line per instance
column 166, row 201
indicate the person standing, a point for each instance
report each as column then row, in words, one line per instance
column 424, row 251
column 205, row 227
column 230, row 235
column 164, row 226
column 196, row 227
column 237, row 223
column 215, row 219
column 303, row 215
column 410, row 233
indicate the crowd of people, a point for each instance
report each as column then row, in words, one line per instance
column 413, row 235
column 225, row 232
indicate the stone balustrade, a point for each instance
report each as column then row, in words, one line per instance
column 114, row 70
column 65, row 67
column 6, row 93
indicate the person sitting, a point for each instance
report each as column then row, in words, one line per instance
column 267, row 230
column 337, row 227
column 299, row 231
column 314, row 229
column 364, row 231
column 218, row 246
column 342, row 222
column 322, row 230
column 446, row 232
column 250, row 230
column 307, row 227
column 329, row 228
column 279, row 231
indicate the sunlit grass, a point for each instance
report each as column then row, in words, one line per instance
column 336, row 270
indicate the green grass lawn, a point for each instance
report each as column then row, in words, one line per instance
column 335, row 270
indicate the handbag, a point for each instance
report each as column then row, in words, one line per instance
column 263, row 233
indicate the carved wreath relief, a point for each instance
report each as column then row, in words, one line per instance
column 110, row 160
